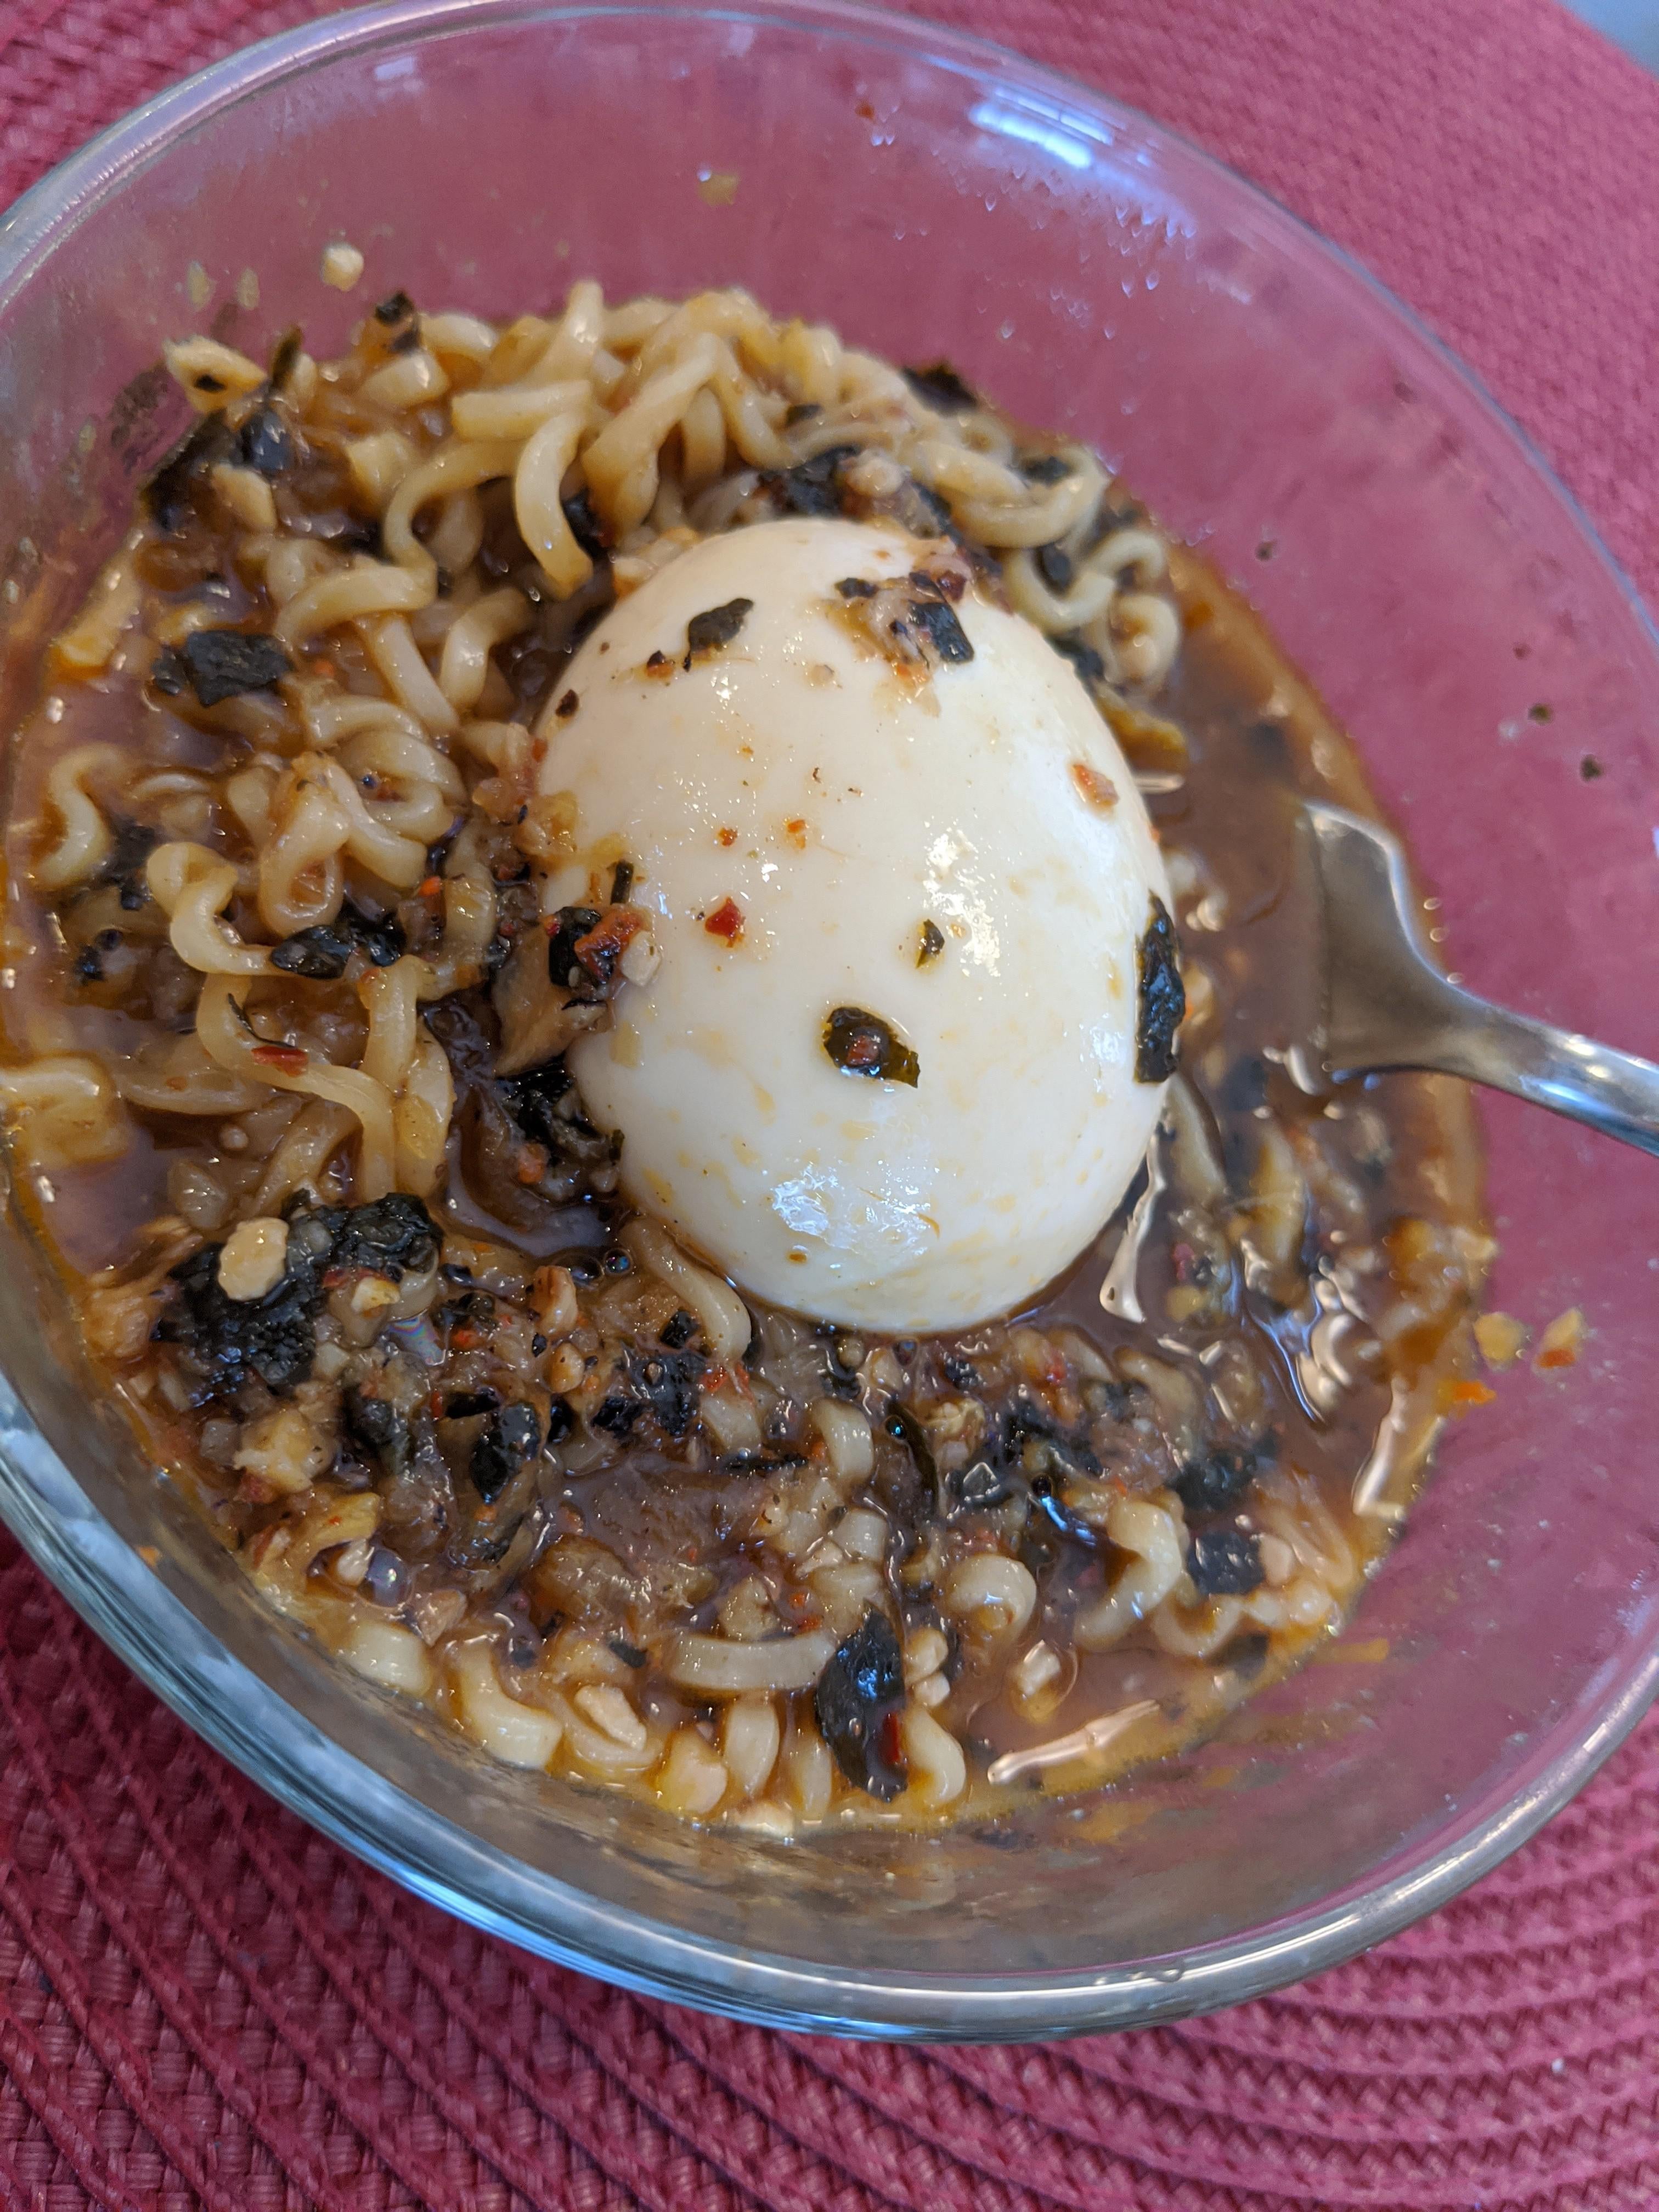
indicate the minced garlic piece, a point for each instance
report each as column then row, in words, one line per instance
column 1501, row 1338
column 1562, row 1342
column 254, row 1256
column 342, row 265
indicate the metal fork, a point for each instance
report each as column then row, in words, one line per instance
column 1386, row 1005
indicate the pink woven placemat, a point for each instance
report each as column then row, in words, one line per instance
column 203, row 2004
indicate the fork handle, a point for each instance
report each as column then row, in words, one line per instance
column 1612, row 1092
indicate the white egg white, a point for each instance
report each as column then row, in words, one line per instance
column 839, row 804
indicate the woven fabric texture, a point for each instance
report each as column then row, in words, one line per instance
column 203, row 2004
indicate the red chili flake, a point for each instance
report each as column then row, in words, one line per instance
column 892, row 1743
column 287, row 1057
column 1099, row 790
column 428, row 887
column 531, row 1163
column 795, row 830
column 435, row 1404
column 725, row 837
column 464, row 1339
column 1463, row 1396
column 726, row 921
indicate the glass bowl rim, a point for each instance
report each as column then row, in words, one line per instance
column 160, row 1640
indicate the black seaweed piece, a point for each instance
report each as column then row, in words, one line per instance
column 937, row 623
column 223, row 663
column 678, row 1329
column 1224, row 1563
column 1082, row 657
column 232, row 1340
column 1046, row 468
column 506, row 1440
column 560, row 1422
column 377, row 1426
column 167, row 492
column 932, row 944
column 803, row 411
column 622, row 882
column 319, row 953
column 980, row 1485
column 629, row 1654
column 939, row 386
column 670, row 1383
column 902, row 1424
column 586, row 528
column 382, row 942
column 857, row 588
column 395, row 308
column 1055, row 563
column 1216, row 1483
column 959, row 1371
column 811, row 487
column 715, row 627
column 861, row 1044
column 462, row 1404
column 761, row 1462
column 265, row 443
column 386, row 1237
column 1161, row 1002
column 532, row 1098
column 564, row 971
column 124, row 867
column 167, row 673
column 858, row 1700
column 618, row 1415
column 284, row 354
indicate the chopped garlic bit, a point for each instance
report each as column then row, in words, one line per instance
column 1562, row 1342
column 342, row 265
column 1501, row 1338
column 254, row 1256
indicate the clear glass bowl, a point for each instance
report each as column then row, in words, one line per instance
column 933, row 196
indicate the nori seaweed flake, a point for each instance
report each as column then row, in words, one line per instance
column 223, row 663
column 858, row 1700
column 1216, row 1483
column 506, row 1440
column 861, row 1044
column 1161, row 1002
column 1046, row 468
column 321, row 953
column 396, row 308
column 1056, row 565
column 564, row 970
column 937, row 621
column 857, row 588
column 584, row 526
column 265, row 443
column 1082, row 657
column 940, row 387
column 812, row 487
column 1224, row 1563
column 622, row 882
column 930, row 944
column 678, row 1329
column 167, row 493
column 386, row 1236
column 715, row 627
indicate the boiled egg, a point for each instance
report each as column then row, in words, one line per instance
column 905, row 901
